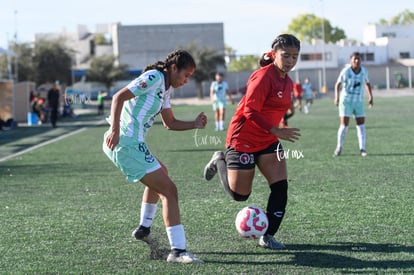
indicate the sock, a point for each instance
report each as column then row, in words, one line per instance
column 341, row 135
column 221, row 124
column 148, row 211
column 361, row 133
column 276, row 206
column 217, row 124
column 176, row 236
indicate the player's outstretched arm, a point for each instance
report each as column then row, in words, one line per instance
column 171, row 123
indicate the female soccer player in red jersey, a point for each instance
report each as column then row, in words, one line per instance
column 253, row 135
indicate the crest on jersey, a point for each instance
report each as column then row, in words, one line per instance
column 143, row 84
column 245, row 158
column 280, row 94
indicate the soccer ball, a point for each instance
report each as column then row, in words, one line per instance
column 251, row 222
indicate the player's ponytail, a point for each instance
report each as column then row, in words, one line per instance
column 266, row 59
column 181, row 58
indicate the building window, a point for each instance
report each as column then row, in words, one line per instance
column 404, row 55
column 315, row 56
column 389, row 34
column 92, row 47
column 367, row 56
column 311, row 57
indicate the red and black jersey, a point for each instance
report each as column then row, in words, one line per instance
column 267, row 98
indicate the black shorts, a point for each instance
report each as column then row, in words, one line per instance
column 244, row 161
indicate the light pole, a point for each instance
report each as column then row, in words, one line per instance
column 15, row 45
column 324, row 88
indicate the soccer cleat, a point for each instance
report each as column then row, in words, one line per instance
column 142, row 233
column 337, row 152
column 268, row 241
column 211, row 168
column 183, row 257
column 363, row 153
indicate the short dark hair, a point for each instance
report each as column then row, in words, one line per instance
column 356, row 54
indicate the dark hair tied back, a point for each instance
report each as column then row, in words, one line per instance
column 181, row 58
column 284, row 41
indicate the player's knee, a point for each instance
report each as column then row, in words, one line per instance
column 238, row 197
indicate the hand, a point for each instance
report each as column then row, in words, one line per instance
column 289, row 134
column 112, row 140
column 336, row 102
column 201, row 121
column 370, row 103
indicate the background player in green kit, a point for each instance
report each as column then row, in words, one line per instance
column 132, row 115
column 349, row 97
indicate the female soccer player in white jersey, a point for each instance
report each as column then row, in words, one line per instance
column 350, row 100
column 132, row 115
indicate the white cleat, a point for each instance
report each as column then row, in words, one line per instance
column 183, row 257
column 270, row 242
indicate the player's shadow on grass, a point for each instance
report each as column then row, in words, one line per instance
column 325, row 256
column 391, row 154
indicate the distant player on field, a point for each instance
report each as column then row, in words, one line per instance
column 132, row 115
column 349, row 97
column 219, row 89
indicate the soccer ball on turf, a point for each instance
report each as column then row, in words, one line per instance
column 251, row 222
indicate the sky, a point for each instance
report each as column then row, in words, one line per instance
column 249, row 25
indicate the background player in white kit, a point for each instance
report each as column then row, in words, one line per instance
column 132, row 114
column 349, row 97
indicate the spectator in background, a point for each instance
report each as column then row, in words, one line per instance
column 53, row 97
column 101, row 102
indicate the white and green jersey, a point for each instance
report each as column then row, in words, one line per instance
column 220, row 90
column 138, row 113
column 352, row 84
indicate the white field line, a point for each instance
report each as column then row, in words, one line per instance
column 42, row 144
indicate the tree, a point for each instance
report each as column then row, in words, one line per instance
column 244, row 63
column 52, row 61
column 307, row 27
column 25, row 63
column 207, row 61
column 103, row 70
column 405, row 17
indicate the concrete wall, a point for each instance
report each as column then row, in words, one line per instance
column 141, row 45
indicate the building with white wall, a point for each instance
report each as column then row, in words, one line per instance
column 140, row 45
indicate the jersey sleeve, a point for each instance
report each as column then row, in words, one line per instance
column 366, row 78
column 213, row 86
column 341, row 76
column 146, row 82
